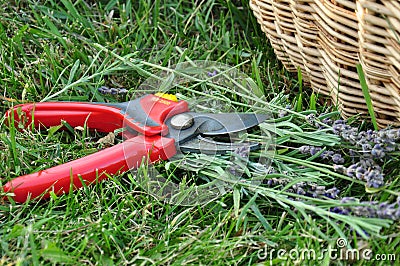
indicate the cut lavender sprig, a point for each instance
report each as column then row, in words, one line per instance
column 374, row 146
column 326, row 155
column 364, row 170
column 375, row 142
column 310, row 189
column 112, row 91
column 371, row 209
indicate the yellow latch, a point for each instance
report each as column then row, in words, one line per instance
column 167, row 96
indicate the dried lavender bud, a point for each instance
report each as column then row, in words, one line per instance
column 282, row 113
column 376, row 167
column 112, row 91
column 370, row 209
column 367, row 163
column 339, row 169
column 327, row 154
column 366, row 147
column 345, row 136
column 321, row 191
column 242, row 151
column 305, row 188
column 314, row 150
column 340, row 210
column 388, row 211
column 277, row 181
column 360, row 172
column 212, row 74
column 377, row 151
column 235, row 170
column 339, row 122
column 310, row 118
column 391, row 146
column 362, row 135
column 327, row 121
column 351, row 170
column 377, row 140
column 272, row 170
column 332, row 193
column 317, row 191
column 382, row 134
column 300, row 191
column 337, row 159
column 305, row 149
column 103, row 90
column 392, row 134
column 337, row 128
column 374, row 179
column 122, row 91
column 347, row 200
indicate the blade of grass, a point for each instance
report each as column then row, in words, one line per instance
column 367, row 96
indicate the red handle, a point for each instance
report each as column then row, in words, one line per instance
column 145, row 115
column 92, row 168
column 101, row 117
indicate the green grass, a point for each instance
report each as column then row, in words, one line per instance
column 367, row 96
column 65, row 50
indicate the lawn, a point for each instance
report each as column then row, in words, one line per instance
column 319, row 191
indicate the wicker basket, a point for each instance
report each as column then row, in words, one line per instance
column 328, row 38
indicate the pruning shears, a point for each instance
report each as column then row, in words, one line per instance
column 156, row 127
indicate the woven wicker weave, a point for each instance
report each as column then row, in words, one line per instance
column 328, row 38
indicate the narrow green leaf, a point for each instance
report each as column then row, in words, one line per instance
column 53, row 195
column 244, row 211
column 261, row 217
column 253, row 87
column 313, row 101
column 76, row 14
column 288, row 125
column 257, row 76
column 300, row 78
column 236, row 200
column 54, row 31
column 13, row 141
column 110, row 5
column 52, row 130
column 55, row 254
column 367, row 96
column 16, row 231
column 299, row 103
column 68, row 126
column 73, row 71
column 74, row 98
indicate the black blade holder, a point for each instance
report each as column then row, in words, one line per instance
column 193, row 132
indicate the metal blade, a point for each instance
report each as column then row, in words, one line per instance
column 210, row 125
column 208, row 146
column 217, row 124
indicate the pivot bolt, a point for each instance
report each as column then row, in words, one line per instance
column 182, row 121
